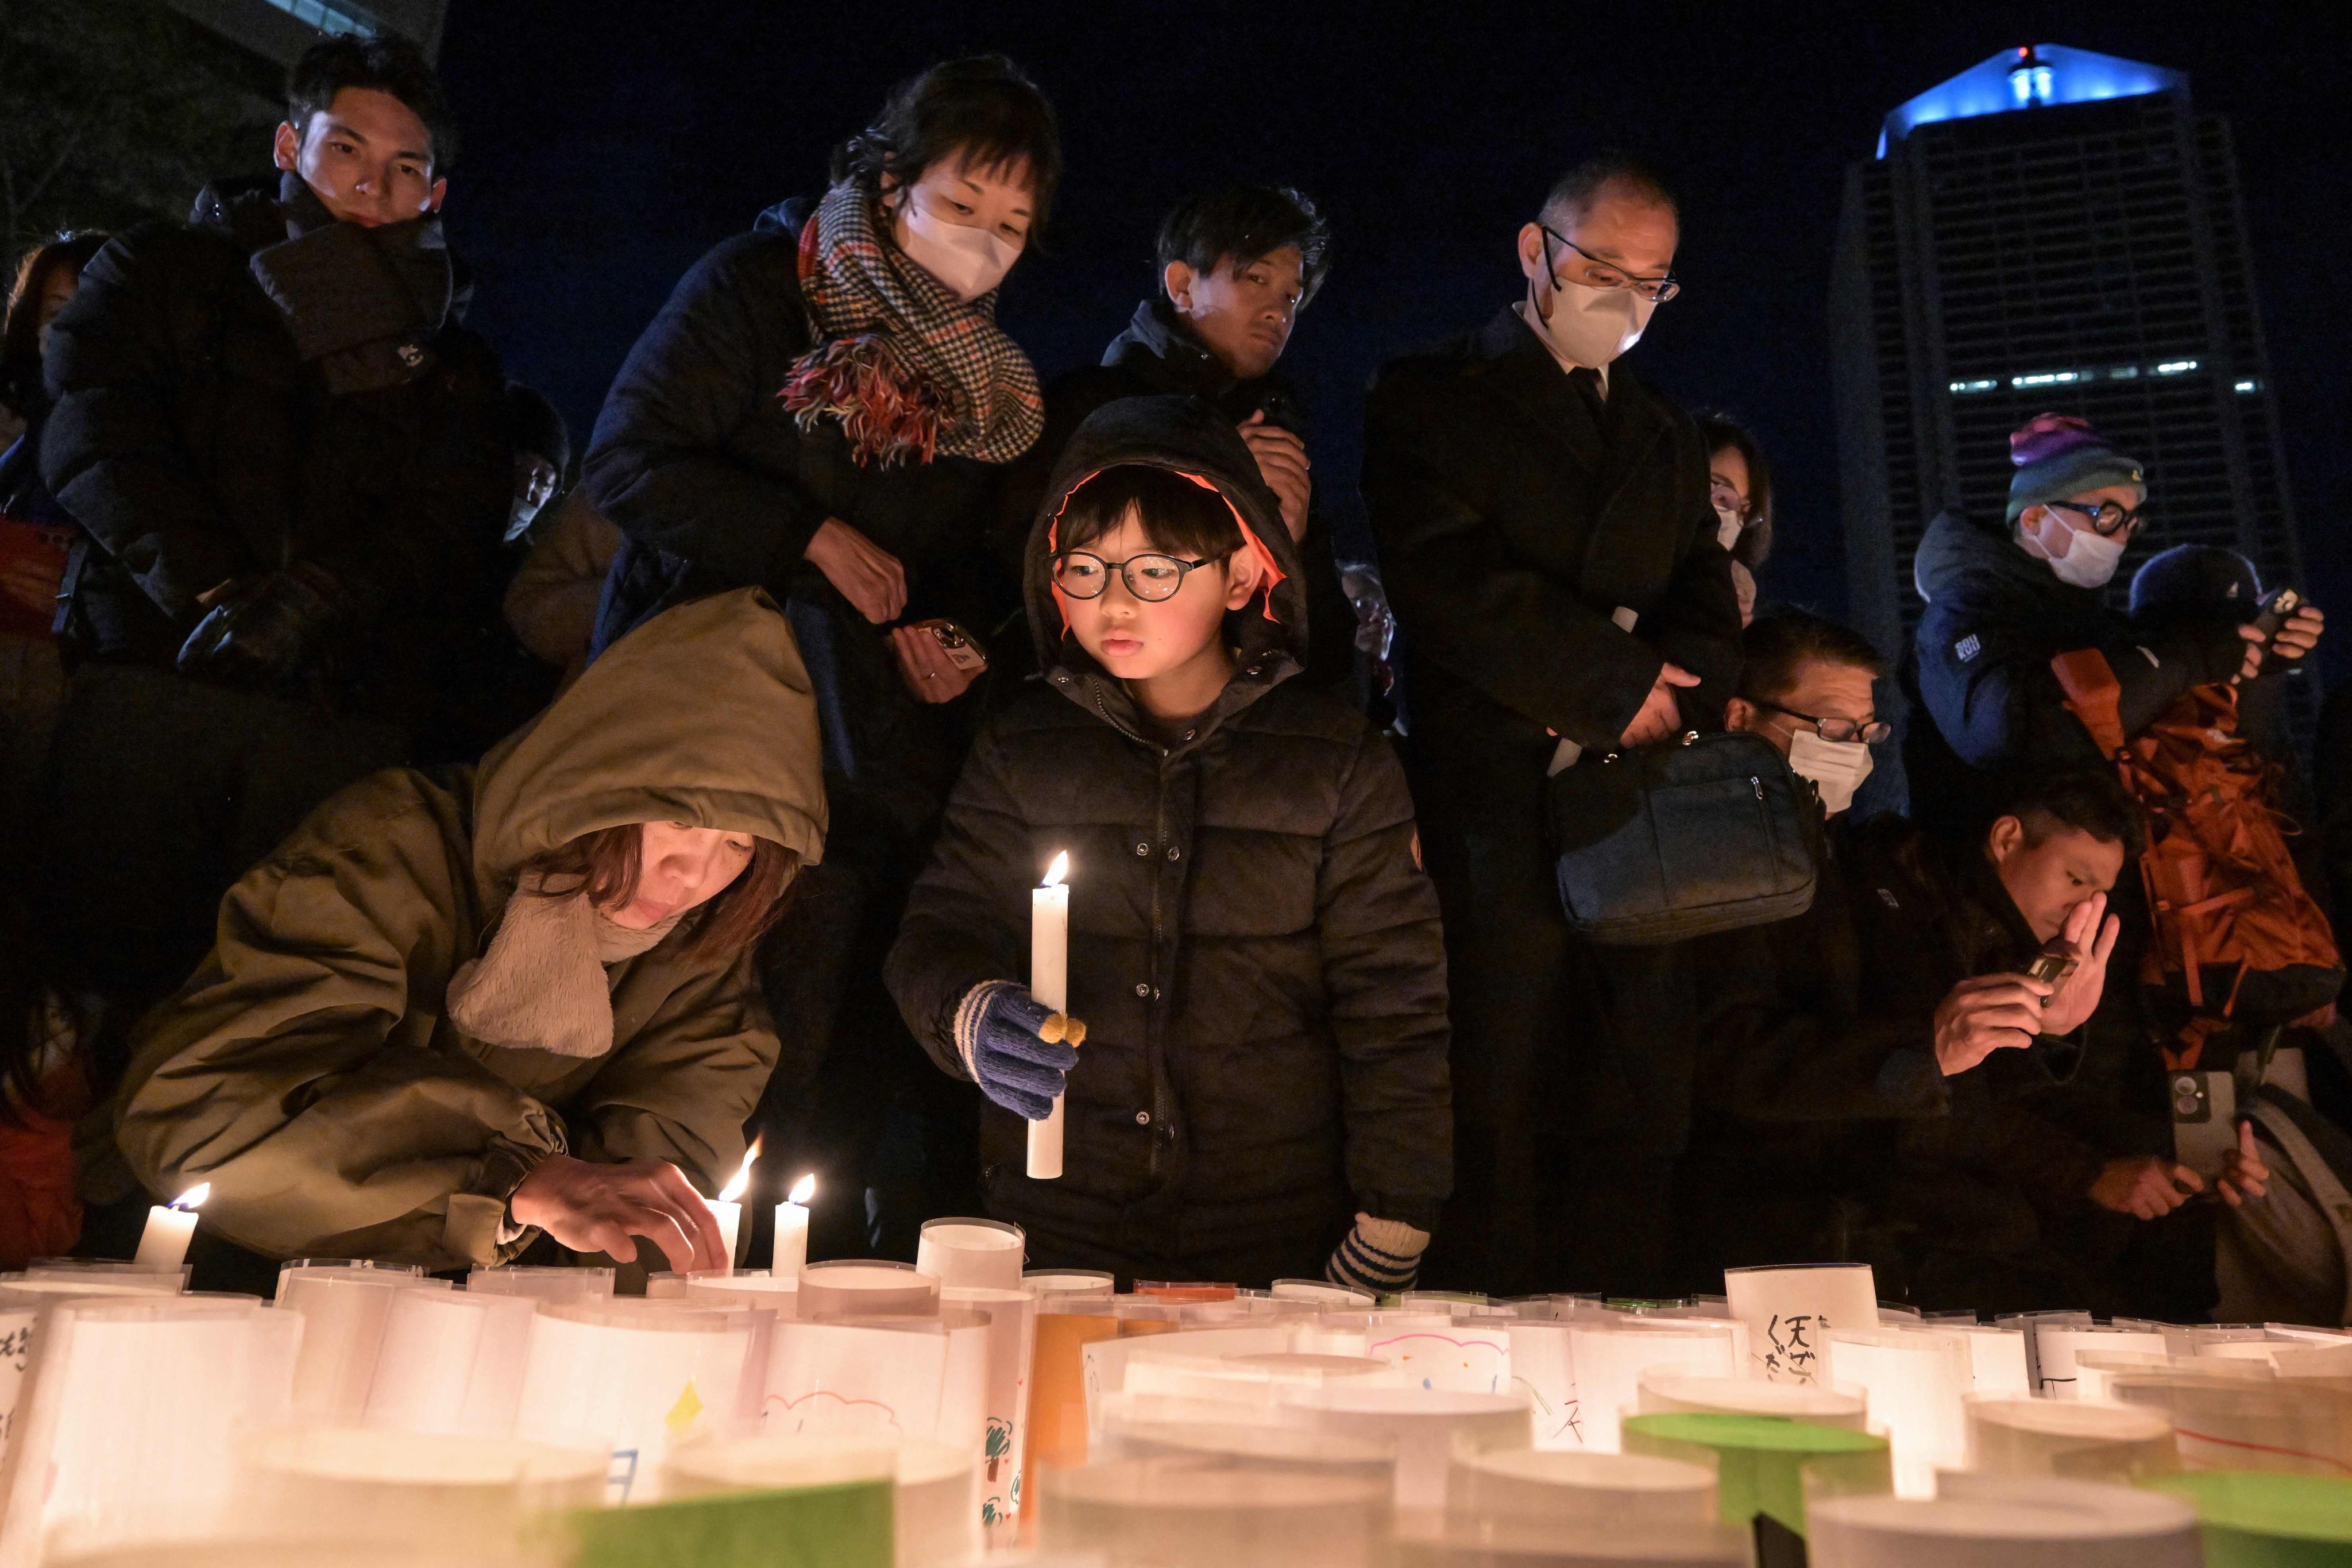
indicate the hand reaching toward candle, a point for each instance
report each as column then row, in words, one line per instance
column 602, row 1208
column 1016, row 1049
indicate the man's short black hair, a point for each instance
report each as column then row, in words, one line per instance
column 2089, row 800
column 1236, row 225
column 982, row 106
column 1772, row 649
column 1178, row 516
column 1577, row 190
column 386, row 63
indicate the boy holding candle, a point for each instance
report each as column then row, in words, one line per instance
column 1260, row 1090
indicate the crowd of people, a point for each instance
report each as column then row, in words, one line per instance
column 453, row 844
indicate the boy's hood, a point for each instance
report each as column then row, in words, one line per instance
column 1187, row 436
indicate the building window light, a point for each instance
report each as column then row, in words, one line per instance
column 2124, row 373
column 2046, row 378
column 327, row 18
column 2176, row 367
column 1974, row 385
column 2250, row 386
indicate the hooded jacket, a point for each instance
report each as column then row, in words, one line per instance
column 1253, row 944
column 263, row 387
column 309, row 1071
column 1979, row 667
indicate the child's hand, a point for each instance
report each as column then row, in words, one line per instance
column 2243, row 1174
column 1018, row 1050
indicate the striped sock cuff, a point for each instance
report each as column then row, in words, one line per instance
column 1378, row 1254
column 967, row 1015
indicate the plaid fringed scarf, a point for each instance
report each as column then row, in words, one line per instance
column 908, row 370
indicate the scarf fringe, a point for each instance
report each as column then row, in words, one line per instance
column 890, row 415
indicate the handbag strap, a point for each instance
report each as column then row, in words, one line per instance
column 2093, row 696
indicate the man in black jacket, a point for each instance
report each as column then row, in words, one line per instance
column 290, row 462
column 1548, row 549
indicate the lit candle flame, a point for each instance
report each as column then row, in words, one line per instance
column 194, row 1198
column 803, row 1190
column 1057, row 870
column 733, row 1190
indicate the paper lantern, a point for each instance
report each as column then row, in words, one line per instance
column 1252, row 1381
column 1459, row 1355
column 1634, row 1491
column 105, row 1277
column 246, row 1552
column 451, row 1362
column 2096, row 1371
column 1011, row 1345
column 1253, row 1446
column 1788, row 1309
column 1185, row 1290
column 726, row 1507
column 463, row 1494
column 123, row 1430
column 540, row 1282
column 1764, row 1467
column 1543, row 1370
column 1156, row 1511
column 1106, row 1362
column 1057, row 1392
column 936, row 1518
column 1069, row 1282
column 639, row 1375
column 865, row 1290
column 1666, row 1391
column 2255, row 1521
column 2055, row 1346
column 1324, row 1295
column 1915, row 1381
column 1609, row 1357
column 344, row 1304
column 1996, row 1361
column 1438, row 1541
column 1423, row 1423
column 985, row 1253
column 2002, row 1521
column 920, row 1378
column 2082, row 1440
column 2295, row 1425
column 779, row 1294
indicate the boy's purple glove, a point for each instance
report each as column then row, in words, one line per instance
column 1015, row 1047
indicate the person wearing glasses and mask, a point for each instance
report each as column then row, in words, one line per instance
column 2002, row 602
column 1551, row 555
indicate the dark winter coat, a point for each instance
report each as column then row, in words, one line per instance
column 1157, row 355
column 1978, row 677
column 716, row 486
column 1253, row 944
column 263, row 387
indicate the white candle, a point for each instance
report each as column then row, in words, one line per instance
column 792, row 1230
column 1049, row 982
column 164, row 1243
column 728, row 1206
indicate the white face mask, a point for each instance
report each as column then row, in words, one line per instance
column 1727, row 524
column 970, row 262
column 2090, row 559
column 1836, row 767
column 1590, row 326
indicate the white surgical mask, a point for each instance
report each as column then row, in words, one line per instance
column 1590, row 326
column 970, row 262
column 1836, row 767
column 2090, row 559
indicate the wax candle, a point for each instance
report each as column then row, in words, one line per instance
column 164, row 1243
column 792, row 1229
column 728, row 1206
column 1049, row 982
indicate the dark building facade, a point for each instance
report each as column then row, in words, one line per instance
column 279, row 31
column 2059, row 230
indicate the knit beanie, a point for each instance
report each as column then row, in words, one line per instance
column 2059, row 456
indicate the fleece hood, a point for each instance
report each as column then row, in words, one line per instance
column 703, row 715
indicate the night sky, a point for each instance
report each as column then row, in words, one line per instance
column 607, row 147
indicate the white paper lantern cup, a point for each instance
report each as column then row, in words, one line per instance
column 1151, row 1512
column 1069, row 1282
column 344, row 1304
column 1252, row 1446
column 937, row 1517
column 541, row 1283
column 779, row 1294
column 451, row 1362
column 1611, row 1355
column 462, row 1493
column 1988, row 1522
column 1789, row 1310
column 111, row 1274
column 1440, row 1542
column 2086, row 1440
column 1322, row 1294
column 1665, row 1392
column 865, row 1290
column 246, row 1552
column 1634, row 1491
column 982, row 1253
column 1914, row 1380
column 1423, row 1424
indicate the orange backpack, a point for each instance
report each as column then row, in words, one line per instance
column 2237, row 939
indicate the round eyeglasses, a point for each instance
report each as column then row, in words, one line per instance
column 2107, row 519
column 1839, row 730
column 1151, row 577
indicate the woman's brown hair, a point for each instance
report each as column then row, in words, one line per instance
column 604, row 865
column 20, row 335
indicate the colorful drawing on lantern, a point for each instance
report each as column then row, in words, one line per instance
column 1441, row 1362
column 621, row 1477
column 824, row 1411
column 998, row 1445
column 681, row 1417
column 1792, row 1345
column 1553, row 1422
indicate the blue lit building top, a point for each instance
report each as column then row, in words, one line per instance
column 2028, row 77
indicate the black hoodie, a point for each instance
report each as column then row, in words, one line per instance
column 1253, row 944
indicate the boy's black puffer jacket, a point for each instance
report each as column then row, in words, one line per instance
column 1252, row 945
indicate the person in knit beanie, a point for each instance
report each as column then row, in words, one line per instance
column 2074, row 500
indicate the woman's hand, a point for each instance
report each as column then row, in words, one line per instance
column 926, row 668
column 603, row 1208
column 2077, row 996
column 2144, row 1186
column 868, row 575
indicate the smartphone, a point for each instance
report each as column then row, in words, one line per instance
column 2276, row 609
column 963, row 649
column 2049, row 968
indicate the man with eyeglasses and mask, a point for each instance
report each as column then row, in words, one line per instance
column 2002, row 602
column 1551, row 556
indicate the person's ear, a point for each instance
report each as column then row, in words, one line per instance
column 1531, row 254
column 1178, row 280
column 1740, row 714
column 440, row 195
column 2005, row 837
column 1244, row 575
column 285, row 147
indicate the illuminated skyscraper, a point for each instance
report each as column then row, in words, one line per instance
column 279, row 31
column 2052, row 230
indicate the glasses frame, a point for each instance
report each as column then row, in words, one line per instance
column 1863, row 733
column 2126, row 522
column 1184, row 569
column 1657, row 289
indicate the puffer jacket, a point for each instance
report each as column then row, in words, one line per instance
column 309, row 1071
column 1253, row 944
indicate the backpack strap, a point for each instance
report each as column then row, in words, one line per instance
column 2093, row 696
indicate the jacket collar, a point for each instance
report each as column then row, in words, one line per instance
column 1959, row 559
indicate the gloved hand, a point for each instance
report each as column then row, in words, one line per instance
column 1015, row 1047
column 264, row 633
column 1379, row 1255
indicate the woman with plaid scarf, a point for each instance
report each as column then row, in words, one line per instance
column 822, row 409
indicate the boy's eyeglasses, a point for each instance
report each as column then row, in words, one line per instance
column 1838, row 730
column 2107, row 519
column 1152, row 577
column 1599, row 274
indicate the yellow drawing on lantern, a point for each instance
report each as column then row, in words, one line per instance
column 681, row 1416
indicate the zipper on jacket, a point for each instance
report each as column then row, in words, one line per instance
column 1156, row 1029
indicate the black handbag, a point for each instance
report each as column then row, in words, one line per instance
column 1705, row 833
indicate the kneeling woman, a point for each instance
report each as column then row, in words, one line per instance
column 457, row 1009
